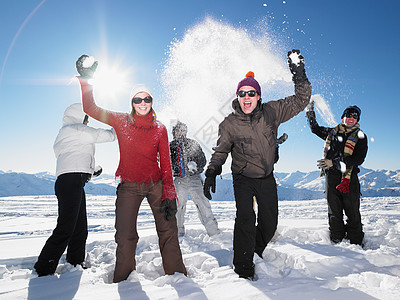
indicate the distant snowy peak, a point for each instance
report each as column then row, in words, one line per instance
column 373, row 183
column 23, row 184
column 291, row 186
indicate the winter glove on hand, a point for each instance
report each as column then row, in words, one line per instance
column 344, row 185
column 169, row 208
column 97, row 171
column 296, row 66
column 192, row 166
column 279, row 141
column 86, row 66
column 310, row 115
column 282, row 139
column 209, row 181
column 324, row 164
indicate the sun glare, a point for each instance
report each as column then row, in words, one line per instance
column 110, row 80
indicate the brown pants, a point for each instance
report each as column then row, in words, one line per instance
column 129, row 197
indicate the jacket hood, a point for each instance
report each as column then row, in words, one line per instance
column 73, row 114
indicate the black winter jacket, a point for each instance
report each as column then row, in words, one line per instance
column 337, row 147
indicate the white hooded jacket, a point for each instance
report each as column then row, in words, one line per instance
column 74, row 145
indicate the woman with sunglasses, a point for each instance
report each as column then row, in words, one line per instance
column 345, row 149
column 144, row 170
column 250, row 135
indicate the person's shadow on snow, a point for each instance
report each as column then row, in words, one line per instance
column 187, row 288
column 54, row 287
column 131, row 290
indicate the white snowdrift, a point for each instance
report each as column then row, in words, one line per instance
column 300, row 263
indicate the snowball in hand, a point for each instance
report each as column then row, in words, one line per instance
column 295, row 58
column 192, row 166
column 88, row 62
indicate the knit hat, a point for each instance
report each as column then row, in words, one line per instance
column 140, row 88
column 352, row 109
column 250, row 81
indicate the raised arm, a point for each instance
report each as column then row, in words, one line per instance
column 320, row 131
column 86, row 69
column 290, row 106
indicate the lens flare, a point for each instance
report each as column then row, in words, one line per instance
column 111, row 81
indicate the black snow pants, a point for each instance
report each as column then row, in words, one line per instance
column 71, row 229
column 247, row 236
column 347, row 202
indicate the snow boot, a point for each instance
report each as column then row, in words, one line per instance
column 45, row 267
column 251, row 278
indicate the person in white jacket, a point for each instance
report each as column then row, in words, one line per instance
column 74, row 148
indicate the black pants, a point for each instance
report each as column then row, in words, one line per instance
column 71, row 230
column 247, row 237
column 347, row 202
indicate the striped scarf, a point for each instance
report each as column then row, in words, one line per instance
column 348, row 147
column 181, row 163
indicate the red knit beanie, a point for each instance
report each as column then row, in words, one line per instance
column 250, row 81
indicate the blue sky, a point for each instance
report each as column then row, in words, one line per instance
column 350, row 48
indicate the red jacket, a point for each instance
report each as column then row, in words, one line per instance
column 143, row 144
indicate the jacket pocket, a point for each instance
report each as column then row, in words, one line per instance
column 245, row 145
column 269, row 134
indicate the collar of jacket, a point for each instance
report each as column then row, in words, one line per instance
column 146, row 121
column 237, row 111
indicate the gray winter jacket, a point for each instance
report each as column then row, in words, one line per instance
column 251, row 139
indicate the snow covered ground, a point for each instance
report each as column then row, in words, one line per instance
column 300, row 263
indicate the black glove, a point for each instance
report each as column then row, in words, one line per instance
column 282, row 139
column 296, row 66
column 97, row 171
column 310, row 114
column 169, row 208
column 210, row 182
column 279, row 141
column 84, row 70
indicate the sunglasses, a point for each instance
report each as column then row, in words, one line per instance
column 251, row 93
column 352, row 115
column 138, row 100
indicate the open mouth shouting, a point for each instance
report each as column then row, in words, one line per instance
column 248, row 98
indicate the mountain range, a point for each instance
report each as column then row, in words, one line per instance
column 291, row 186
